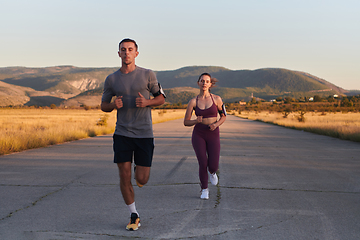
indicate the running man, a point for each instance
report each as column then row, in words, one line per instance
column 131, row 86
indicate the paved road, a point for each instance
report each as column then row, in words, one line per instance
column 274, row 183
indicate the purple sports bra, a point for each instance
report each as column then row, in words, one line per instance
column 206, row 113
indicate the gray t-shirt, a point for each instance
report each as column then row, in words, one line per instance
column 132, row 121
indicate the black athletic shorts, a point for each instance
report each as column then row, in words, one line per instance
column 141, row 148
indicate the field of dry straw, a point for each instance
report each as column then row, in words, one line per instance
column 340, row 125
column 22, row 129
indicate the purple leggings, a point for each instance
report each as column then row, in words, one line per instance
column 206, row 144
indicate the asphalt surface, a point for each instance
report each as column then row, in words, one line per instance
column 274, row 183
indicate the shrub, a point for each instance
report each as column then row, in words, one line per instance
column 103, row 120
column 286, row 112
column 301, row 117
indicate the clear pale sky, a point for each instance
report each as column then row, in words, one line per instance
column 318, row 37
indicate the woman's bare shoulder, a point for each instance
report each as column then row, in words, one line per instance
column 192, row 102
column 217, row 99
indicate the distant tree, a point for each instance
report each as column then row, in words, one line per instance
column 289, row 100
column 331, row 99
column 353, row 99
column 301, row 117
column 295, row 106
column 317, row 98
column 286, row 112
column 52, row 106
column 346, row 103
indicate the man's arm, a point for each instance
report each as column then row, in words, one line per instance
column 108, row 107
column 143, row 102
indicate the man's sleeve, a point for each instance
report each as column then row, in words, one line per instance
column 107, row 93
column 154, row 85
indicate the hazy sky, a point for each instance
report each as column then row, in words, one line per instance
column 318, row 37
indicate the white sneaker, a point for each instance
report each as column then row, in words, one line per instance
column 214, row 179
column 204, row 194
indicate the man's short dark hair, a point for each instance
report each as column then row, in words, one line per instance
column 128, row 40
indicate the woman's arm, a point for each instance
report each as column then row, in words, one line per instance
column 187, row 119
column 219, row 105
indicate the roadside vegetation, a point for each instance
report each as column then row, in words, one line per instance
column 24, row 128
column 340, row 125
column 27, row 128
column 335, row 117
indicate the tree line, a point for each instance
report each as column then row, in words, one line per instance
column 288, row 105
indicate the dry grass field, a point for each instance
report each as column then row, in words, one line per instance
column 340, row 125
column 22, row 129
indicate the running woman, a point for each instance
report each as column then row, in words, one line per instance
column 206, row 137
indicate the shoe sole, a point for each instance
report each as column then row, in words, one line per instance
column 217, row 180
column 139, row 185
column 133, row 229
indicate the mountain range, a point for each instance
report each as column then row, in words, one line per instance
column 74, row 86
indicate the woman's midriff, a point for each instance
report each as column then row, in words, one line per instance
column 208, row 121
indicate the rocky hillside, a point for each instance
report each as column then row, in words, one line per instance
column 73, row 86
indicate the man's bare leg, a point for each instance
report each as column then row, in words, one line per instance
column 126, row 187
column 142, row 175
